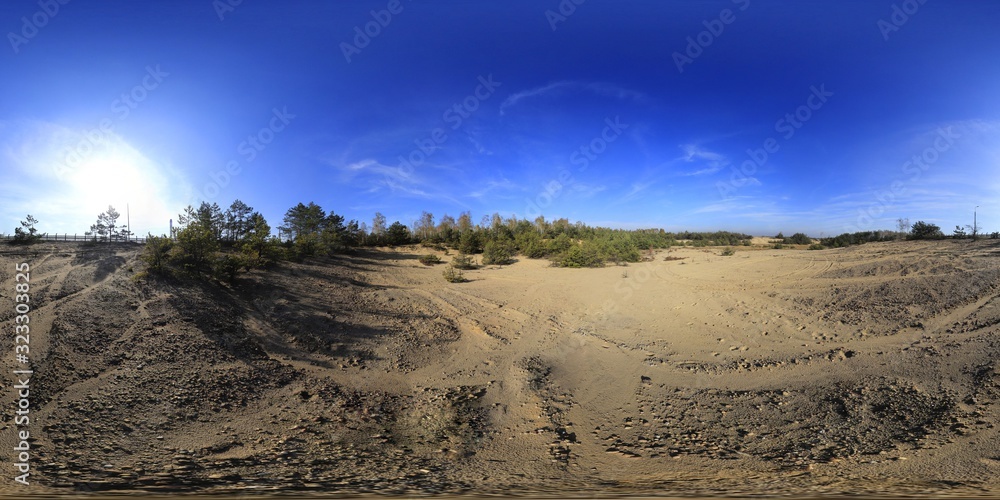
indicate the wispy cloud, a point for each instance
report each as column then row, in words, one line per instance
column 710, row 161
column 494, row 185
column 635, row 191
column 586, row 190
column 375, row 177
column 736, row 204
column 638, row 187
column 473, row 138
column 566, row 86
column 371, row 168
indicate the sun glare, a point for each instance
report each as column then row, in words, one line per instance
column 121, row 177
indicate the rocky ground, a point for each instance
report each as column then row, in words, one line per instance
column 867, row 370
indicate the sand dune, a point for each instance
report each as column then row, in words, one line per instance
column 870, row 369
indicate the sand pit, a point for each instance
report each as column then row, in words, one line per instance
column 869, row 369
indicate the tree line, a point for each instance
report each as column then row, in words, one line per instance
column 920, row 230
column 210, row 240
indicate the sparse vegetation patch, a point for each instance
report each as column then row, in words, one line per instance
column 429, row 259
column 453, row 275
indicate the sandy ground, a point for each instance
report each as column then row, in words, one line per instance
column 866, row 370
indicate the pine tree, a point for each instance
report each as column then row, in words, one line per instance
column 27, row 233
column 398, row 234
column 197, row 244
column 303, row 220
column 157, row 253
column 257, row 243
column 106, row 225
column 211, row 218
column 237, row 220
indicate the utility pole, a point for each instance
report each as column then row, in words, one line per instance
column 974, row 227
column 128, row 224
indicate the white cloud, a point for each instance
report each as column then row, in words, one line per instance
column 494, row 185
column 710, row 161
column 556, row 88
column 585, row 190
column 374, row 177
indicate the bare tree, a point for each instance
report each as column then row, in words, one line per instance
column 425, row 226
column 465, row 221
column 903, row 226
column 378, row 225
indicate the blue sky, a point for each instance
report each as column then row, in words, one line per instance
column 746, row 115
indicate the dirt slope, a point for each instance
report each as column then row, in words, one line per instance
column 871, row 369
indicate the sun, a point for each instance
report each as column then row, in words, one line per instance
column 120, row 176
column 100, row 177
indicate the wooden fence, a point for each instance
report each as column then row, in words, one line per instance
column 78, row 237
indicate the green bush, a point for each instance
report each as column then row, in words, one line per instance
column 925, row 231
column 468, row 243
column 225, row 268
column 24, row 238
column 430, row 259
column 462, row 261
column 579, row 256
column 798, row 239
column 291, row 252
column 498, row 252
column 435, row 246
column 260, row 250
column 618, row 250
column 195, row 247
column 728, row 251
column 530, row 245
column 816, row 246
column 778, row 246
column 858, row 238
column 535, row 250
column 559, row 244
column 156, row 253
column 307, row 245
column 453, row 275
